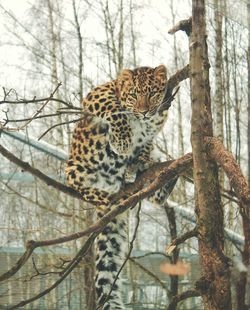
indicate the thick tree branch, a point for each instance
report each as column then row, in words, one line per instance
column 217, row 151
column 147, row 176
column 169, row 169
column 37, row 173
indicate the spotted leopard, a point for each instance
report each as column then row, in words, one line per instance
column 108, row 148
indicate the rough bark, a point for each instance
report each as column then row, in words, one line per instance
column 215, row 282
column 217, row 151
column 248, row 105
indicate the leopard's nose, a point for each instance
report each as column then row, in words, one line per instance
column 145, row 115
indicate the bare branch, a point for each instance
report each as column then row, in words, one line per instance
column 34, row 100
column 73, row 110
column 37, row 173
column 60, row 124
column 173, row 82
column 3, row 126
column 72, row 265
column 182, row 296
column 179, row 240
column 151, row 274
column 38, row 273
column 152, row 253
column 220, row 154
column 184, row 25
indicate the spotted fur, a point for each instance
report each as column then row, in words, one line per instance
column 107, row 149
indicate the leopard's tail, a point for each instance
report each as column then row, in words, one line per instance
column 111, row 252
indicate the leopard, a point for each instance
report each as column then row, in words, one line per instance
column 109, row 147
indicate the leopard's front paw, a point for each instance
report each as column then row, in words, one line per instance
column 120, row 145
column 144, row 163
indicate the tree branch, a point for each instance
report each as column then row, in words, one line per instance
column 37, row 173
column 172, row 82
column 182, row 296
column 3, row 126
column 150, row 273
column 179, row 240
column 184, row 25
column 72, row 265
column 155, row 178
column 217, row 151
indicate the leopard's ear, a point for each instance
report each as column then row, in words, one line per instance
column 126, row 75
column 161, row 73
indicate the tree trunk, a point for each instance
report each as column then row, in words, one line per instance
column 228, row 106
column 174, row 280
column 218, row 101
column 215, row 282
column 248, row 105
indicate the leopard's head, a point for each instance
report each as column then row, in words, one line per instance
column 142, row 90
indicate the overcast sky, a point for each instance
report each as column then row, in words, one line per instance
column 151, row 24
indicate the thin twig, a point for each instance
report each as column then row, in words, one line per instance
column 34, row 100
column 150, row 273
column 34, row 115
column 38, row 273
column 61, row 124
column 59, row 112
column 151, row 253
